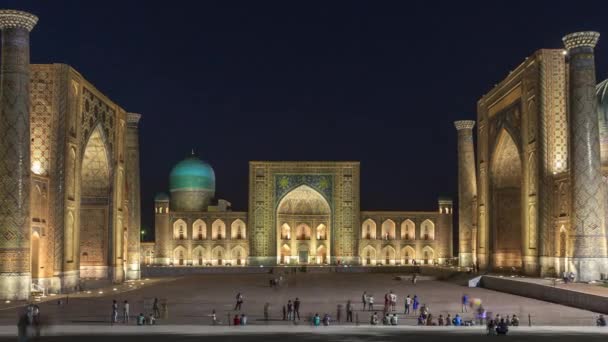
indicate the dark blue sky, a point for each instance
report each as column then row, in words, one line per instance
column 378, row 82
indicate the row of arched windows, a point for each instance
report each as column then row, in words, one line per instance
column 218, row 256
column 389, row 231
column 389, row 256
column 303, row 232
column 218, row 230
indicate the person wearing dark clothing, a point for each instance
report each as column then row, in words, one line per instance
column 289, row 310
column 502, row 327
column 296, row 309
column 22, row 327
column 155, row 308
column 349, row 311
column 239, row 301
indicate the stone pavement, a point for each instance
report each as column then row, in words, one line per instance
column 192, row 298
column 118, row 330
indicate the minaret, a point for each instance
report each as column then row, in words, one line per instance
column 467, row 191
column 163, row 249
column 15, row 274
column 132, row 174
column 588, row 230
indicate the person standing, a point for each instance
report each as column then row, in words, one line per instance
column 239, row 302
column 296, row 309
column 364, row 299
column 22, row 324
column 349, row 311
column 155, row 308
column 289, row 310
column 465, row 302
column 114, row 312
column 408, row 303
column 370, row 302
column 267, row 311
column 125, row 312
column 387, row 301
column 213, row 317
column 415, row 304
column 393, row 300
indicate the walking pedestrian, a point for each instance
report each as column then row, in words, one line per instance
column 239, row 302
column 349, row 311
column 415, row 304
column 465, row 302
column 408, row 303
column 296, row 309
column 155, row 308
column 125, row 312
column 114, row 311
column 364, row 299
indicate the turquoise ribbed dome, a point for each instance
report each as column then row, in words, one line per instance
column 192, row 174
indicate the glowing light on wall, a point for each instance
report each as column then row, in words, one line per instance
column 37, row 167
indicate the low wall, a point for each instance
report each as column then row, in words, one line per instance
column 547, row 293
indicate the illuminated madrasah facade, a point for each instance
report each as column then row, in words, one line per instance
column 69, row 175
column 300, row 213
column 535, row 197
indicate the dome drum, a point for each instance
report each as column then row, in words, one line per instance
column 192, row 185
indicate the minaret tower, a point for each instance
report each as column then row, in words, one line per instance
column 15, row 274
column 588, row 228
column 467, row 191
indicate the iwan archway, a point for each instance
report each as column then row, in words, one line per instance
column 309, row 213
column 506, row 211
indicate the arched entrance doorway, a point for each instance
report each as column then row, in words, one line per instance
column 96, row 237
column 409, row 255
column 369, row 256
column 309, row 213
column 506, row 220
column 428, row 255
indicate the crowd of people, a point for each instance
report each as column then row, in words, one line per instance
column 29, row 323
column 141, row 319
column 412, row 306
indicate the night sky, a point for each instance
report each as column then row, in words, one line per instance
column 331, row 80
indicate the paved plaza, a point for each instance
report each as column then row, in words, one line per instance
column 191, row 299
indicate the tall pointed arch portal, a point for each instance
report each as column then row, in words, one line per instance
column 304, row 208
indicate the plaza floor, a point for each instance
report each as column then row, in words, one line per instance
column 191, row 299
